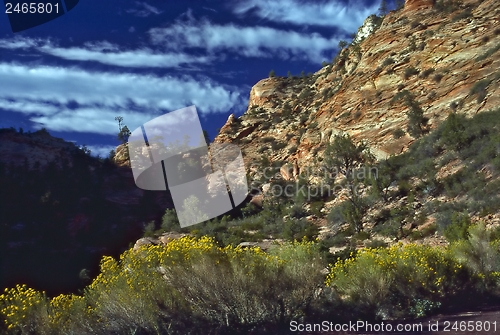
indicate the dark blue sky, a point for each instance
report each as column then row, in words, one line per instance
column 141, row 59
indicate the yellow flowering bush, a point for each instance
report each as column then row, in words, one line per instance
column 23, row 308
column 398, row 276
column 188, row 284
column 193, row 285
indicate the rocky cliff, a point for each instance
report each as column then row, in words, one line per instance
column 38, row 148
column 441, row 57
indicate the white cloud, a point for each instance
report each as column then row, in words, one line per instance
column 151, row 9
column 100, row 150
column 247, row 41
column 107, row 53
column 29, row 107
column 131, row 30
column 135, row 58
column 96, row 98
column 348, row 17
column 19, row 43
column 144, row 9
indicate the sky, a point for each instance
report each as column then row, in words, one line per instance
column 142, row 59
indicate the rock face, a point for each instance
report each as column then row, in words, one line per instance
column 33, row 148
column 121, row 156
column 412, row 5
column 446, row 61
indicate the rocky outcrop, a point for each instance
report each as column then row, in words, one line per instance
column 122, row 156
column 446, row 61
column 35, row 149
column 412, row 5
column 164, row 239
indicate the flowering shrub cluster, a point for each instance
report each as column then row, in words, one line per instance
column 195, row 286
column 186, row 285
column 396, row 279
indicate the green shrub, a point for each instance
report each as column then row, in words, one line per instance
column 462, row 15
column 479, row 255
column 375, row 243
column 415, row 24
column 395, row 281
column 303, row 118
column 316, row 207
column 398, row 133
column 453, row 134
column 437, row 77
column 458, row 228
column 388, row 61
column 362, row 235
column 427, row 72
column 313, row 125
column 149, row 229
column 265, row 125
column 420, row 234
column 299, row 229
column 447, row 6
column 479, row 89
column 275, row 145
column 411, row 71
column 292, row 149
column 262, row 149
column 170, row 221
column 306, row 93
column 412, row 44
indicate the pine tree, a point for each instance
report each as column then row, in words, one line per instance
column 124, row 133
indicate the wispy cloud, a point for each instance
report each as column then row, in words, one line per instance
column 72, row 99
column 346, row 16
column 245, row 41
column 107, row 53
column 143, row 9
column 100, row 150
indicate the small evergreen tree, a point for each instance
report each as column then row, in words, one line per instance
column 124, row 133
column 272, row 74
column 454, row 135
column 344, row 154
column 416, row 119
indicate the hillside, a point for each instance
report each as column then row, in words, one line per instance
column 447, row 58
column 61, row 210
column 399, row 80
column 375, row 197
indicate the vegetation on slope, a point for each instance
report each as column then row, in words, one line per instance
column 194, row 286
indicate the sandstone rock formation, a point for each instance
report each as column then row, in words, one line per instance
column 446, row 61
column 30, row 148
